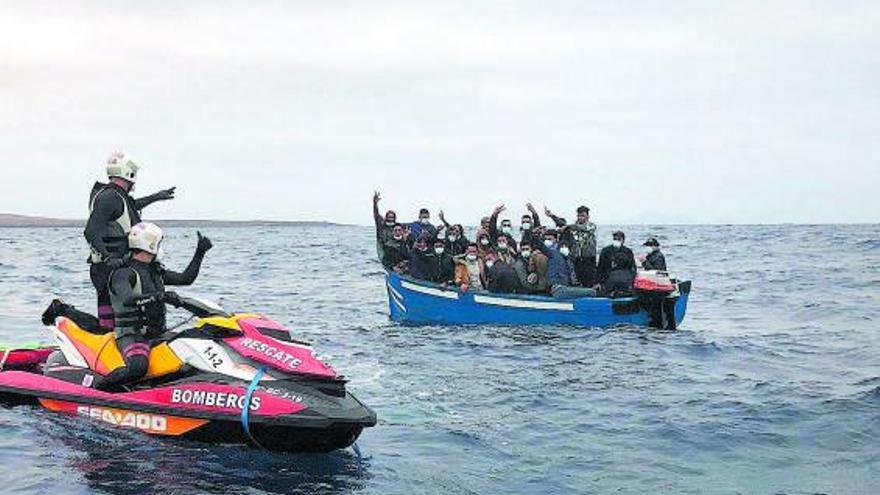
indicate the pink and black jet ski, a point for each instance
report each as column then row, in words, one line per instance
column 228, row 378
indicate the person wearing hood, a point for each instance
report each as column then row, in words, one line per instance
column 653, row 259
column 581, row 239
column 112, row 213
column 607, row 258
column 505, row 248
column 484, row 244
column 558, row 271
column 423, row 226
column 469, row 270
column 384, row 226
column 456, row 242
column 421, row 261
column 395, row 251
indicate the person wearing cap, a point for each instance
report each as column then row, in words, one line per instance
column 384, row 226
column 558, row 271
column 654, row 259
column 469, row 270
column 423, row 226
column 112, row 213
column 608, row 254
column 580, row 236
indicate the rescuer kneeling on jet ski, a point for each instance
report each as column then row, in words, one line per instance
column 137, row 291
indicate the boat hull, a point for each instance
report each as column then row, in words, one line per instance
column 419, row 302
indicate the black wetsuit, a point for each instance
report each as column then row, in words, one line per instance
column 137, row 291
column 113, row 212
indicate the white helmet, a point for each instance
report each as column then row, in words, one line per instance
column 145, row 236
column 122, row 166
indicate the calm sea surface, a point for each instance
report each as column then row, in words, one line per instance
column 772, row 384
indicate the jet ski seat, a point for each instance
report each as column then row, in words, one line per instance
column 102, row 355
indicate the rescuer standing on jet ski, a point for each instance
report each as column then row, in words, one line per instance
column 137, row 294
column 112, row 213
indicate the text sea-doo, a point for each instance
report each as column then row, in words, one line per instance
column 230, row 378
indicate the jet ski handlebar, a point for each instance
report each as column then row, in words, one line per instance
column 197, row 307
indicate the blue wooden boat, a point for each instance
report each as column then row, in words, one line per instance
column 421, row 302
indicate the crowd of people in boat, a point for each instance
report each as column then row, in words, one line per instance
column 561, row 259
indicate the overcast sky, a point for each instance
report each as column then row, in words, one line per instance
column 645, row 111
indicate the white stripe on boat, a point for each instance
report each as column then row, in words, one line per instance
column 394, row 291
column 523, row 303
column 448, row 294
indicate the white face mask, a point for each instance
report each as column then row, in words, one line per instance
column 484, row 241
column 526, row 226
column 616, row 243
column 489, row 264
column 548, row 243
column 439, row 250
column 564, row 250
column 388, row 223
column 502, row 246
column 425, row 220
column 453, row 238
column 506, row 229
column 471, row 257
column 526, row 253
column 398, row 237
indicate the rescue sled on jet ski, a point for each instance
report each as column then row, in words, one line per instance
column 420, row 302
column 230, row 378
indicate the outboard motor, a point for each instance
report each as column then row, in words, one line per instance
column 656, row 292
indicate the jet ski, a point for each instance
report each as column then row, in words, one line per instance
column 227, row 378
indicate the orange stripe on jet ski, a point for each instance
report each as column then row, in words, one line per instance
column 155, row 424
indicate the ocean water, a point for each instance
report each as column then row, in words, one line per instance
column 771, row 385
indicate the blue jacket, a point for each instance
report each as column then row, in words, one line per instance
column 557, row 265
column 416, row 228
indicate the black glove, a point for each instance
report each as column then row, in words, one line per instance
column 172, row 298
column 165, row 194
column 204, row 245
column 113, row 262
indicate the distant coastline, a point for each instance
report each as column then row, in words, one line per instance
column 11, row 220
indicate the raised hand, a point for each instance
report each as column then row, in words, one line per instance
column 166, row 194
column 531, row 208
column 547, row 211
column 376, row 197
column 442, row 218
column 204, row 244
column 498, row 209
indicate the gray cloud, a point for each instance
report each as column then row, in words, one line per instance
column 697, row 112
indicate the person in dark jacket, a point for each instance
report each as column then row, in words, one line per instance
column 619, row 282
column 112, row 213
column 558, row 271
column 421, row 261
column 580, row 236
column 654, row 260
column 456, row 242
column 501, row 276
column 384, row 226
column 395, row 251
column 444, row 267
column 608, row 256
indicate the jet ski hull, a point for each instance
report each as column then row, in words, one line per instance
column 292, row 418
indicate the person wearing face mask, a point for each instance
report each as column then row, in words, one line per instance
column 529, row 226
column 384, row 226
column 653, row 259
column 500, row 276
column 504, row 249
column 395, row 251
column 619, row 282
column 484, row 244
column 421, row 261
column 112, row 213
column 469, row 270
column 456, row 242
column 608, row 256
column 558, row 271
column 526, row 265
column 443, row 269
column 423, row 226
column 506, row 227
column 581, row 238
